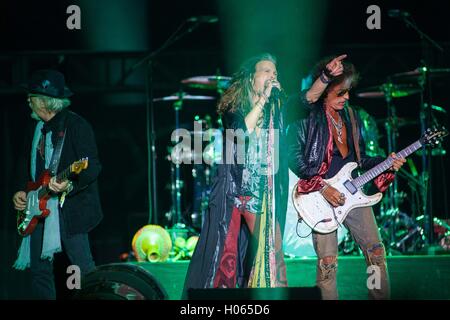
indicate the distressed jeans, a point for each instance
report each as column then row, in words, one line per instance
column 362, row 226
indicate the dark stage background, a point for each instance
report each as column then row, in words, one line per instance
column 115, row 35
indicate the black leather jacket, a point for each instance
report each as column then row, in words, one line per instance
column 308, row 138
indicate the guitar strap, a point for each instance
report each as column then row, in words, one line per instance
column 355, row 131
column 56, row 156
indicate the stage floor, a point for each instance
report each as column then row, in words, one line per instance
column 412, row 277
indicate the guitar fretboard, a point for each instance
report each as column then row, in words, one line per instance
column 63, row 175
column 385, row 165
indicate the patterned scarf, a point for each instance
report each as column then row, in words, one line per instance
column 266, row 270
column 52, row 239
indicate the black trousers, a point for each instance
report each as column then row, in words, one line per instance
column 42, row 277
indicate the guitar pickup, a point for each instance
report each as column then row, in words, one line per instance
column 350, row 187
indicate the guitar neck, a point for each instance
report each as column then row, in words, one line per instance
column 385, row 165
column 63, row 175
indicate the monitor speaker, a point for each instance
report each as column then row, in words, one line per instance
column 120, row 281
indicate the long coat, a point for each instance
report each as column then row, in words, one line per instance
column 226, row 187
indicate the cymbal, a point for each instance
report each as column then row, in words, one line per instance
column 400, row 122
column 418, row 72
column 437, row 108
column 208, row 82
column 182, row 97
column 396, row 91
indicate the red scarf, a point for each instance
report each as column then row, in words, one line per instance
column 316, row 182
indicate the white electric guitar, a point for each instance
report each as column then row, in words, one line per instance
column 321, row 216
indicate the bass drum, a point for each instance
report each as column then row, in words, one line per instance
column 293, row 244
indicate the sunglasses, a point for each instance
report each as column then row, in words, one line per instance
column 342, row 92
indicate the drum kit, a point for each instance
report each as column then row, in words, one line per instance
column 202, row 162
column 401, row 232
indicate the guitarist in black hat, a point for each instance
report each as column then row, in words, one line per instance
column 61, row 137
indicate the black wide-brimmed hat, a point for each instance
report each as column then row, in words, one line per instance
column 48, row 83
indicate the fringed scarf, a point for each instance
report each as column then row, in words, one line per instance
column 268, row 269
column 52, row 239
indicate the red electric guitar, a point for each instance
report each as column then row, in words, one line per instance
column 38, row 194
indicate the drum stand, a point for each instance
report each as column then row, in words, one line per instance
column 392, row 135
column 425, row 122
column 185, row 28
column 175, row 213
column 427, row 44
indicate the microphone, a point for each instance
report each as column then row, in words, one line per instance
column 203, row 19
column 275, row 93
column 397, row 13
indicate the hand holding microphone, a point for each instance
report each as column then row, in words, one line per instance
column 272, row 89
column 270, row 92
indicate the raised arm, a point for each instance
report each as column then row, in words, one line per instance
column 333, row 69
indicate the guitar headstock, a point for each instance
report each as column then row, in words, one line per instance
column 434, row 136
column 79, row 166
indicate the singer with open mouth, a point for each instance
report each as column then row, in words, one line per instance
column 241, row 239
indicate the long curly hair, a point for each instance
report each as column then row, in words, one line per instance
column 239, row 94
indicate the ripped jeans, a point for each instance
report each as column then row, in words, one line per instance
column 363, row 227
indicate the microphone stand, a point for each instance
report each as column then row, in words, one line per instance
column 276, row 163
column 425, row 121
column 150, row 124
column 392, row 135
column 423, row 35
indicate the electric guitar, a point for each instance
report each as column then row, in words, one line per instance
column 322, row 217
column 38, row 195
